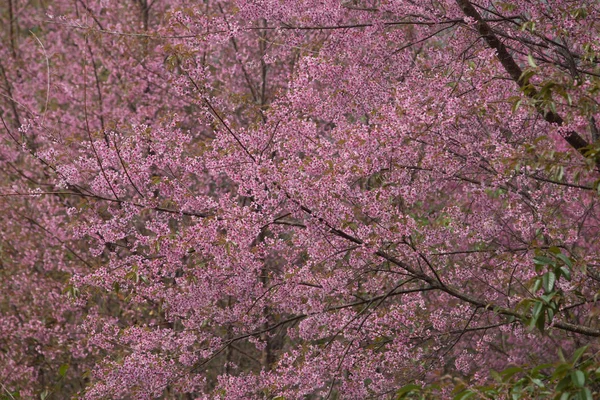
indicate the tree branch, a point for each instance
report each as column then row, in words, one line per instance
column 516, row 73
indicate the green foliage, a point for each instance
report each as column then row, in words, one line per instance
column 551, row 267
column 577, row 379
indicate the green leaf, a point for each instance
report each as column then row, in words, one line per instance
column 528, row 26
column 537, row 308
column 497, row 377
column 569, row 99
column 510, row 371
column 62, row 371
column 561, row 356
column 516, row 105
column 546, row 298
column 578, row 353
column 564, row 271
column 531, row 61
column 525, row 77
column 543, row 260
column 464, row 395
column 506, row 6
column 541, row 322
column 554, row 250
column 586, row 394
column 565, row 259
column 541, row 367
column 561, row 173
column 406, row 390
column 563, row 384
column 579, row 13
column 578, row 378
column 132, row 276
column 538, row 382
column 536, row 285
column 538, row 317
column 548, row 281
column 550, row 312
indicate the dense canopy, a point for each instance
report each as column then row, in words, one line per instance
column 299, row 199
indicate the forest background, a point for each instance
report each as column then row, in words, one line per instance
column 299, row 199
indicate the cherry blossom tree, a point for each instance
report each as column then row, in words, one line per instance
column 299, row 199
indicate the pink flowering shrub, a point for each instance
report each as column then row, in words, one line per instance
column 298, row 199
